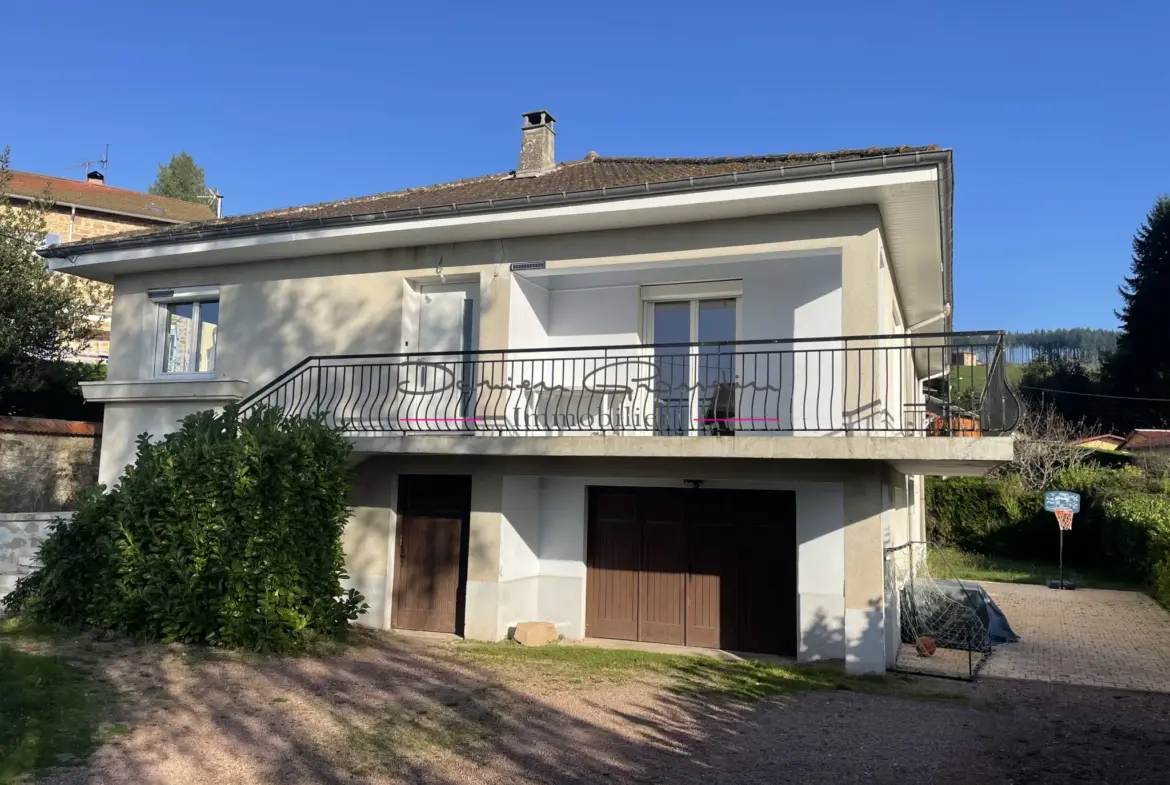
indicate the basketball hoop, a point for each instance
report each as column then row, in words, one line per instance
column 1062, row 504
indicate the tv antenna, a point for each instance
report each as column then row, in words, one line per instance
column 88, row 166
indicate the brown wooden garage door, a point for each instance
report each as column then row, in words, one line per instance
column 430, row 574
column 713, row 568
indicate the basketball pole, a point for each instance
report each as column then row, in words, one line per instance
column 1061, row 556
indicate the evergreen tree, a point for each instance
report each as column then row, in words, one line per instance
column 181, row 178
column 1141, row 365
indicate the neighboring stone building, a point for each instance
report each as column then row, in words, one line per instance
column 85, row 209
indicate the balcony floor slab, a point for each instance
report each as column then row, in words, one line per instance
column 911, row 455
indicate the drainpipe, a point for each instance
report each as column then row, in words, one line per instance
column 72, row 218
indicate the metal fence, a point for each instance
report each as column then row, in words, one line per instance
column 863, row 385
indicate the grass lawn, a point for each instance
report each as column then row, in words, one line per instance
column 51, row 709
column 973, row 377
column 949, row 562
column 746, row 680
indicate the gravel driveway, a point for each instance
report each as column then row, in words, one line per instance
column 399, row 710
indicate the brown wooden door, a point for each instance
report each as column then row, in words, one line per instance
column 766, row 531
column 430, row 548
column 709, row 568
column 713, row 578
column 614, row 559
column 427, row 577
column 662, row 600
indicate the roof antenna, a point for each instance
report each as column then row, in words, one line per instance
column 87, row 166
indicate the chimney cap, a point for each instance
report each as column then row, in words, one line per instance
column 538, row 117
column 95, row 177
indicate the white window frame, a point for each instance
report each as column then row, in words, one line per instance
column 691, row 293
column 188, row 294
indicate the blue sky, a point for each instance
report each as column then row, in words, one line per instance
column 1058, row 114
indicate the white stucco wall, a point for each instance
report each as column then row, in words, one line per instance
column 605, row 315
column 124, row 422
column 790, row 385
column 820, row 518
column 562, row 554
column 519, row 542
column 528, row 308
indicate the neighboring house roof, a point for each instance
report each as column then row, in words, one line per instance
column 105, row 199
column 1105, row 438
column 1147, row 439
column 591, row 178
column 39, row 425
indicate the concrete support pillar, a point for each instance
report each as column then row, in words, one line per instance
column 864, row 574
column 481, row 620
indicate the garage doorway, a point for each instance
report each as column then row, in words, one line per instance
column 430, row 573
column 695, row 567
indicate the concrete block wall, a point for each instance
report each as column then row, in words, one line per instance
column 21, row 535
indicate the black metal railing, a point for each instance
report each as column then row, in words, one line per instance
column 860, row 384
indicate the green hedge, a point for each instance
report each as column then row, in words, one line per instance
column 227, row 532
column 1122, row 530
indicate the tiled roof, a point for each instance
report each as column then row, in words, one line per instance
column 103, row 198
column 592, row 173
column 1104, row 437
column 47, row 427
column 1147, row 439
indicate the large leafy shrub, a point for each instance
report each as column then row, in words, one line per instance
column 1122, row 530
column 227, row 532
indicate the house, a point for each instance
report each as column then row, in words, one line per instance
column 966, row 358
column 88, row 209
column 1146, row 440
column 1104, row 441
column 678, row 400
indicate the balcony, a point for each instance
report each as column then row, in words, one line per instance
column 942, row 385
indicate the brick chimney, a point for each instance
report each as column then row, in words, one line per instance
column 536, row 144
column 95, row 178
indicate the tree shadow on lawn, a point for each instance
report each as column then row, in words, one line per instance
column 393, row 709
column 50, row 713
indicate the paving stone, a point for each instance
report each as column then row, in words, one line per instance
column 1093, row 637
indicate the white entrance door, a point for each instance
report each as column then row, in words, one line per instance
column 445, row 375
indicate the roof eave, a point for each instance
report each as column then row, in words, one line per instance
column 94, row 209
column 939, row 158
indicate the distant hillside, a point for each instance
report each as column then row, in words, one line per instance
column 1074, row 340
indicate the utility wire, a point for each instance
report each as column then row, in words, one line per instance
column 1095, row 395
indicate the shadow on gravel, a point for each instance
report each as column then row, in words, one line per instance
column 392, row 709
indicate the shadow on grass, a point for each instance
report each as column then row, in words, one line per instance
column 949, row 562
column 739, row 679
column 388, row 708
column 51, row 713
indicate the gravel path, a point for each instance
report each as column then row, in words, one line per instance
column 399, row 711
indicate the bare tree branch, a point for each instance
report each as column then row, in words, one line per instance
column 1044, row 448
